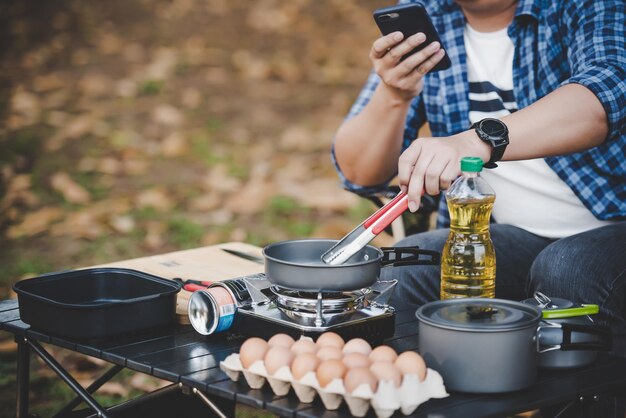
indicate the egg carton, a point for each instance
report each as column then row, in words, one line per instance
column 385, row 401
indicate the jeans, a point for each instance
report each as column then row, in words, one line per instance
column 587, row 268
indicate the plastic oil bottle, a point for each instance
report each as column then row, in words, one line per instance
column 468, row 264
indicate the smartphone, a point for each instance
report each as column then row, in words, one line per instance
column 410, row 19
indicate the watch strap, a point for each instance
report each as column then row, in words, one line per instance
column 496, row 152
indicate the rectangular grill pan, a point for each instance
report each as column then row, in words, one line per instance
column 96, row 303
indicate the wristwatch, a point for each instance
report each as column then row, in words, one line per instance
column 495, row 133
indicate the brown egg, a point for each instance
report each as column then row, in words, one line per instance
column 303, row 345
column 329, row 353
column 386, row 371
column 304, row 363
column 410, row 362
column 357, row 376
column 252, row 349
column 330, row 370
column 277, row 357
column 357, row 345
column 383, row 353
column 354, row 360
column 330, row 339
column 282, row 340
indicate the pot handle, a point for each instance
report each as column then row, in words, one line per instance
column 395, row 256
column 604, row 343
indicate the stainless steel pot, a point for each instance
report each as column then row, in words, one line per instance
column 486, row 345
column 583, row 332
column 480, row 345
column 298, row 265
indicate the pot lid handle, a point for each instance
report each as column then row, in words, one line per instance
column 589, row 309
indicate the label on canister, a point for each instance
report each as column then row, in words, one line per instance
column 212, row 310
column 225, row 308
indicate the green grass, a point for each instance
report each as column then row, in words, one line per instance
column 185, row 233
column 151, row 87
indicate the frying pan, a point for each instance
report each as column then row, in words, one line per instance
column 297, row 264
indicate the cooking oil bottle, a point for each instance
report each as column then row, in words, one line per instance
column 468, row 264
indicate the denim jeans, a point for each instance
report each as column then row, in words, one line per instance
column 588, row 268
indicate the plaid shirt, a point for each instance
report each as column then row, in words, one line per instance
column 556, row 43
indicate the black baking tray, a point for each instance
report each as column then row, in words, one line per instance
column 96, row 303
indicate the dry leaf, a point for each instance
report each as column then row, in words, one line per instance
column 122, row 224
column 321, row 194
column 155, row 232
column 126, row 88
column 26, row 105
column 85, row 224
column 174, row 145
column 35, row 223
column 251, row 198
column 113, row 389
column 47, row 82
column 156, row 198
column 162, row 66
column 206, row 202
column 72, row 192
column 167, row 115
column 219, row 180
column 74, row 129
column 95, row 85
column 191, row 98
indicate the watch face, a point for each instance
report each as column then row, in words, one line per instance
column 494, row 128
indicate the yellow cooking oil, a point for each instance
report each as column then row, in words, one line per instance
column 468, row 263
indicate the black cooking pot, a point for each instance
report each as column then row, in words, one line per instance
column 482, row 345
column 583, row 332
column 298, row 265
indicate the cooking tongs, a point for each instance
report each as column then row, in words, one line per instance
column 360, row 236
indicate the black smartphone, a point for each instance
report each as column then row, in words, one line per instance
column 410, row 19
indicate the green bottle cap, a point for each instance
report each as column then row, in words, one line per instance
column 471, row 164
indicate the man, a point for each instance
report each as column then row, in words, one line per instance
column 553, row 73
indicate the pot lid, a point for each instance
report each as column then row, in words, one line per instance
column 479, row 314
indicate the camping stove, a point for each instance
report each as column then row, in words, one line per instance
column 263, row 309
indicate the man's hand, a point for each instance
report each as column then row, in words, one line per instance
column 432, row 164
column 404, row 78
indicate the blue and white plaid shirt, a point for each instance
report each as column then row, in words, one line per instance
column 556, row 43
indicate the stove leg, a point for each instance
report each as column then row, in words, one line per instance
column 23, row 377
column 319, row 320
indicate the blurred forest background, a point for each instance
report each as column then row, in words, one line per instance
column 138, row 127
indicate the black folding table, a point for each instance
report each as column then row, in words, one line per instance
column 191, row 362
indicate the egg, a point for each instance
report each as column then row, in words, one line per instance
column 252, row 349
column 282, row 340
column 353, row 360
column 277, row 357
column 357, row 345
column 304, row 363
column 357, row 376
column 386, row 371
column 303, row 345
column 383, row 353
column 330, row 339
column 329, row 353
column 330, row 370
column 410, row 362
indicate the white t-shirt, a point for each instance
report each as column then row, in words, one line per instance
column 529, row 194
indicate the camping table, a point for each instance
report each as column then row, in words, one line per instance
column 191, row 362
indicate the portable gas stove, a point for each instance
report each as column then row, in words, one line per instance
column 264, row 309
